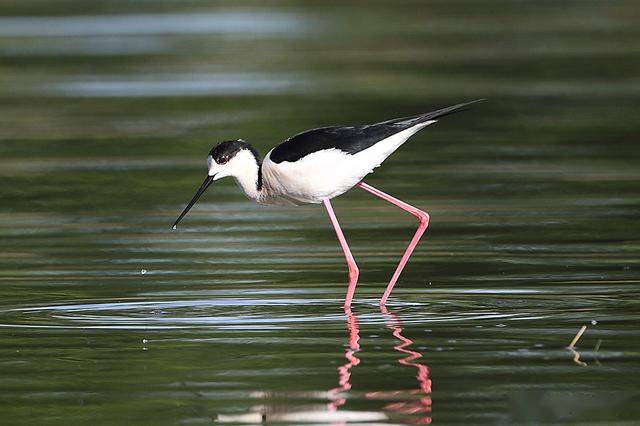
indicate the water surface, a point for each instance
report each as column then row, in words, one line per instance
column 107, row 111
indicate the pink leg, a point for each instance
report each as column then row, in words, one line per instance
column 353, row 268
column 423, row 219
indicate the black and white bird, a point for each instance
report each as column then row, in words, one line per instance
column 318, row 165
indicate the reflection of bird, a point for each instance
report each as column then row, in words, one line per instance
column 319, row 164
column 412, row 405
column 419, row 403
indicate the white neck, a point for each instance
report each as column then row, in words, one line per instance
column 247, row 175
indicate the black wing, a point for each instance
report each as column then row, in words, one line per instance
column 352, row 139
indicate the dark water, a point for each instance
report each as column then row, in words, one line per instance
column 107, row 110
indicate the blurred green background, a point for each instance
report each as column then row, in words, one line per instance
column 107, row 112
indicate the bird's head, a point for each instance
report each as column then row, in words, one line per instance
column 229, row 158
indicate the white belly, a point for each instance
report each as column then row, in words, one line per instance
column 325, row 174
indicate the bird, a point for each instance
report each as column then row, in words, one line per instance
column 317, row 165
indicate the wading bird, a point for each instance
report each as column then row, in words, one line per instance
column 318, row 165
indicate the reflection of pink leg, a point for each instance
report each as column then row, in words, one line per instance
column 353, row 268
column 344, row 371
column 424, row 403
column 423, row 219
column 423, row 371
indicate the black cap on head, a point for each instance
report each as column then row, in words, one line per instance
column 225, row 151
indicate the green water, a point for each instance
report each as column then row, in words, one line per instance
column 107, row 110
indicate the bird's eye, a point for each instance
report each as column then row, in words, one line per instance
column 223, row 159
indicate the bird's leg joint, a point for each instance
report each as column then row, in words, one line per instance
column 354, row 272
column 423, row 218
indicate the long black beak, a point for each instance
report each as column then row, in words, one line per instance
column 203, row 187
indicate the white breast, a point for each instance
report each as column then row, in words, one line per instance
column 325, row 174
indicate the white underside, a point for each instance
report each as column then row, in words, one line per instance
column 325, row 174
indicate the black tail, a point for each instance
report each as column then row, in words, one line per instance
column 433, row 115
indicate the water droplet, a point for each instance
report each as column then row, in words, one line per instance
column 145, row 341
column 174, row 227
column 143, row 271
column 594, row 322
